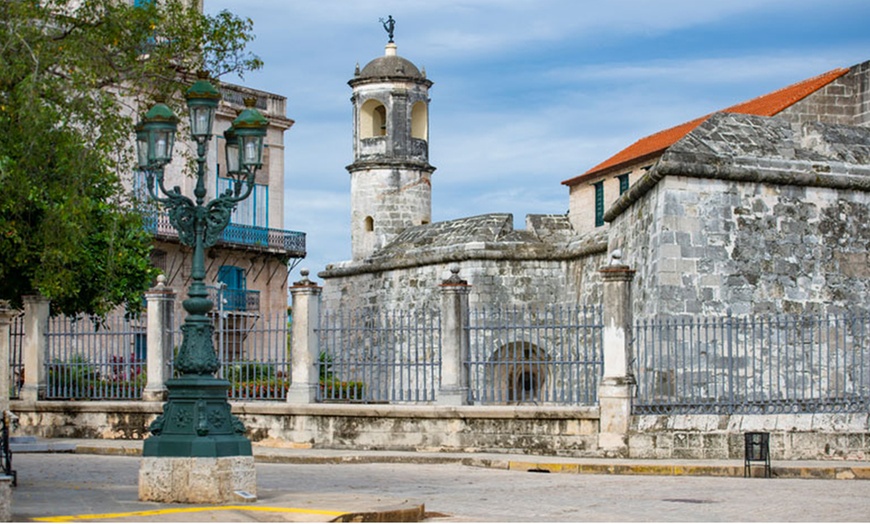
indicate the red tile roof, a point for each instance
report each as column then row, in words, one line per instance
column 765, row 105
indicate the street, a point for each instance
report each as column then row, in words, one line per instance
column 74, row 484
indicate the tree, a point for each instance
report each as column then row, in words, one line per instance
column 72, row 76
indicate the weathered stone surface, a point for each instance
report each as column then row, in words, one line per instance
column 196, row 480
column 5, row 498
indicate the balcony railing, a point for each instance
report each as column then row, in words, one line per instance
column 236, row 235
column 244, row 300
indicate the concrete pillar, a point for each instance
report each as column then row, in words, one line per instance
column 305, row 347
column 6, row 316
column 454, row 341
column 161, row 307
column 35, row 347
column 617, row 385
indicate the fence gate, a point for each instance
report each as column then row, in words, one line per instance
column 547, row 355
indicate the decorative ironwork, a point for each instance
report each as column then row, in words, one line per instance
column 291, row 243
column 200, row 225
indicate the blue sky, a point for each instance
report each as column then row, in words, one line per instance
column 526, row 93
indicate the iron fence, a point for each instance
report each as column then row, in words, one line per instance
column 95, row 359
column 254, row 352
column 373, row 355
column 546, row 355
column 767, row 364
column 16, row 356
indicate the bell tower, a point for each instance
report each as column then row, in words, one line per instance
column 390, row 177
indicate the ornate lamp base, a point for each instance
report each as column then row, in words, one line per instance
column 198, row 452
column 197, row 422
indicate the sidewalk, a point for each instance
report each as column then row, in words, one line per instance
column 816, row 469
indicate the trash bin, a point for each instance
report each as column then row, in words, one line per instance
column 756, row 449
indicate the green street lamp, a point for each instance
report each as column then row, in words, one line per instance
column 196, row 419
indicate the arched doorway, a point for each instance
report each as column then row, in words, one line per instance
column 517, row 373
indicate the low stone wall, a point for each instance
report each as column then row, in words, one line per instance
column 496, row 429
column 506, row 429
column 792, row 436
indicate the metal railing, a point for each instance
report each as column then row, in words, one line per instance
column 548, row 355
column 289, row 242
column 228, row 299
column 254, row 353
column 765, row 364
column 88, row 360
column 16, row 356
column 372, row 355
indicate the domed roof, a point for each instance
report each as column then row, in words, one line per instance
column 390, row 65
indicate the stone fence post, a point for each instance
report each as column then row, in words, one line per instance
column 305, row 347
column 617, row 384
column 35, row 328
column 160, row 314
column 454, row 340
column 6, row 316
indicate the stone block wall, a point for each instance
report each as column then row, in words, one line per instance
column 494, row 282
column 792, row 436
column 718, row 244
column 846, row 101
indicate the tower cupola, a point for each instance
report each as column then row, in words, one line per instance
column 390, row 174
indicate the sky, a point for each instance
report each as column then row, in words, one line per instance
column 526, row 93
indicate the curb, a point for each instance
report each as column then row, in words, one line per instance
column 783, row 472
column 827, row 472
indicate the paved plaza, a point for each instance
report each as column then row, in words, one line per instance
column 82, row 487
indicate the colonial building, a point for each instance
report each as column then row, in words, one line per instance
column 832, row 97
column 251, row 260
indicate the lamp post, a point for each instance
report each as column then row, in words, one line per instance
column 196, row 420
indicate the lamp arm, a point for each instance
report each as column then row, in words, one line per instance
column 174, row 195
column 152, row 191
column 249, row 188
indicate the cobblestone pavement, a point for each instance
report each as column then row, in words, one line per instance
column 67, row 484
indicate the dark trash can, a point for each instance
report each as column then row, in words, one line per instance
column 756, row 449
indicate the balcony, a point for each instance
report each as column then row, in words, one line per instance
column 291, row 243
column 236, row 300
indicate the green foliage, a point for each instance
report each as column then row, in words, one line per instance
column 73, row 73
column 251, row 380
column 78, row 378
column 325, row 366
column 248, row 372
column 332, row 390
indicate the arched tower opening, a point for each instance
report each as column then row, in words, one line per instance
column 420, row 121
column 373, row 119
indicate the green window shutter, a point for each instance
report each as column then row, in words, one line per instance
column 599, row 204
column 623, row 183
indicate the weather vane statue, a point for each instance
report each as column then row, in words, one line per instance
column 389, row 26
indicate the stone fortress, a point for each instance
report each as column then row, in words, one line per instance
column 761, row 208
